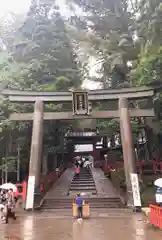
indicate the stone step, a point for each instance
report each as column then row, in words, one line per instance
column 83, row 188
column 83, row 174
column 94, row 205
column 83, row 180
column 82, row 184
column 86, row 178
column 75, row 179
column 91, row 204
column 87, row 199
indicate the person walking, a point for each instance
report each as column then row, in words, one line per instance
column 91, row 160
column 77, row 171
column 82, row 162
column 3, row 205
column 10, row 205
column 79, row 203
column 76, row 163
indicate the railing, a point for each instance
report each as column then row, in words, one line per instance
column 46, row 182
column 109, row 166
column 157, row 166
column 155, row 217
column 140, row 165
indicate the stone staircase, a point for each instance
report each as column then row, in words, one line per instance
column 84, row 183
column 95, row 203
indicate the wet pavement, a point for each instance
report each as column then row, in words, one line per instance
column 43, row 226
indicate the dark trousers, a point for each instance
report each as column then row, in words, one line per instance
column 81, row 165
column 80, row 214
column 10, row 214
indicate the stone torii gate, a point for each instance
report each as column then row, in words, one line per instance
column 123, row 112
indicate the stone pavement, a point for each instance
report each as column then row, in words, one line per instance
column 47, row 226
column 103, row 184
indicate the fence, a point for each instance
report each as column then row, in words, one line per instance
column 48, row 180
column 155, row 217
column 141, row 165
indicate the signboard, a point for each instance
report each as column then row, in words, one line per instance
column 80, row 103
column 84, row 148
column 30, row 193
column 135, row 189
column 158, row 197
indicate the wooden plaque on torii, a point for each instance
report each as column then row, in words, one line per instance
column 80, row 103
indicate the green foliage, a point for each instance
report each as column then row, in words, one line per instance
column 44, row 46
column 149, row 67
column 10, row 164
column 108, row 28
column 111, row 126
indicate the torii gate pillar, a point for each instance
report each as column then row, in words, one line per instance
column 128, row 149
column 36, row 153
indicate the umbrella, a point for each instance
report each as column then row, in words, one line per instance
column 8, row 186
column 158, row 182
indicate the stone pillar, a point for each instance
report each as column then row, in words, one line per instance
column 36, row 154
column 128, row 148
column 36, row 142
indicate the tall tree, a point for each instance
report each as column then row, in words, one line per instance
column 148, row 66
column 44, row 46
column 110, row 30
